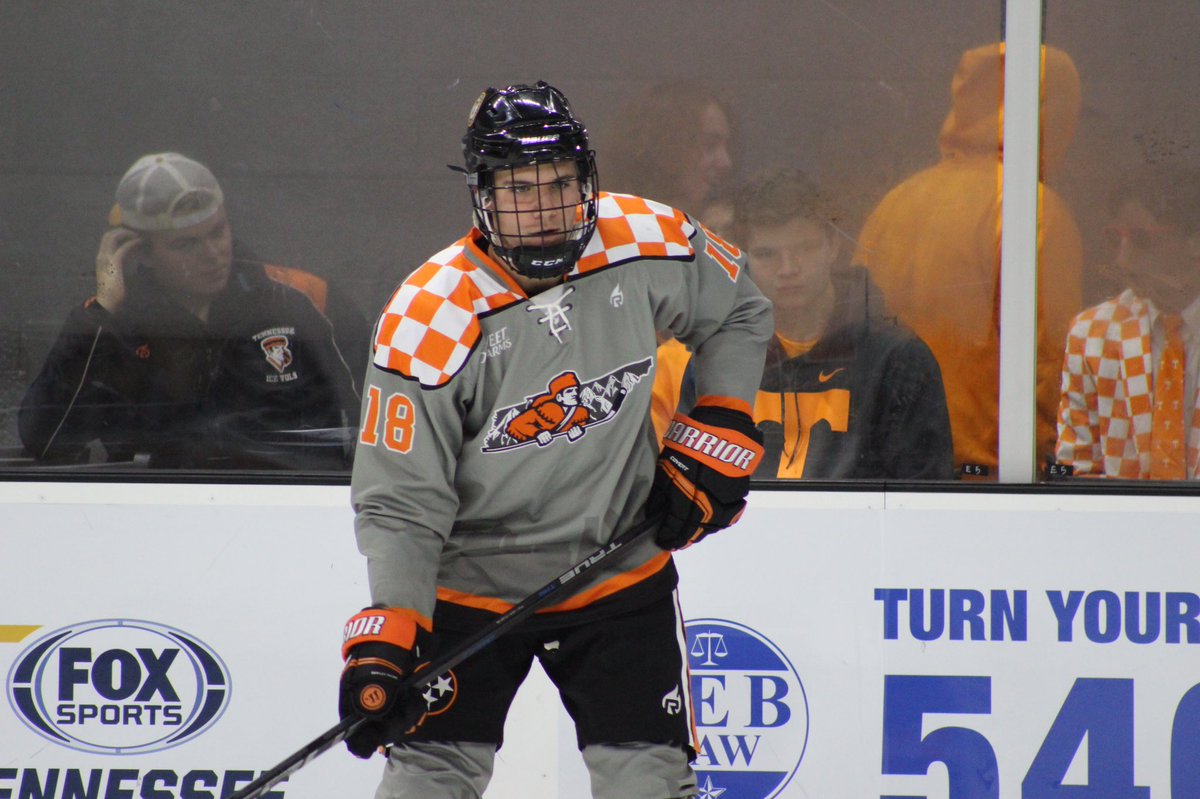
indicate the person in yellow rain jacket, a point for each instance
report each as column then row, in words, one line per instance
column 932, row 245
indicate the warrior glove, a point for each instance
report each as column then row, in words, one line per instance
column 704, row 472
column 381, row 646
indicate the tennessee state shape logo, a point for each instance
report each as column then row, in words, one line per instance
column 567, row 407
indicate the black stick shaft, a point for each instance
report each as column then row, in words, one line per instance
column 478, row 640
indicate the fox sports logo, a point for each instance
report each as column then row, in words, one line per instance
column 118, row 686
column 751, row 711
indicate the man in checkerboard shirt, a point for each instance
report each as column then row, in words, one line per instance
column 1128, row 403
column 546, row 312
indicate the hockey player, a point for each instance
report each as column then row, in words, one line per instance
column 556, row 411
column 459, row 518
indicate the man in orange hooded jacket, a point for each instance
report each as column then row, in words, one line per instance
column 933, row 247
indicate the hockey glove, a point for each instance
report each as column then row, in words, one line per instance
column 704, row 472
column 381, row 646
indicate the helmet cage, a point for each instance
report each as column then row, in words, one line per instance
column 539, row 227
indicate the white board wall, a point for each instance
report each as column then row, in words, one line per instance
column 1060, row 621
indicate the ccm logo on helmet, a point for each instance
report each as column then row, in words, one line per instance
column 712, row 446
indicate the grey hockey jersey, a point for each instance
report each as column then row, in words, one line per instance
column 505, row 437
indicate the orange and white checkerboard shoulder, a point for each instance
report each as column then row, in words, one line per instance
column 431, row 324
column 630, row 228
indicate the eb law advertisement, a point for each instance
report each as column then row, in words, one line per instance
column 839, row 645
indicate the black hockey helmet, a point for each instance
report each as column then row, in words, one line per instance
column 519, row 126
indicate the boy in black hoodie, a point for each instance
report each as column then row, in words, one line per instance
column 846, row 392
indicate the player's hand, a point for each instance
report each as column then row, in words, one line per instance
column 381, row 646
column 704, row 472
column 116, row 246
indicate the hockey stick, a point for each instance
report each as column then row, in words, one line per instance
column 477, row 641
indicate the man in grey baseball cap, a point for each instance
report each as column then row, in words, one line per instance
column 166, row 191
column 170, row 211
column 188, row 356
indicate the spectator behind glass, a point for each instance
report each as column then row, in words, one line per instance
column 846, row 392
column 1128, row 404
column 933, row 246
column 672, row 143
column 187, row 357
column 717, row 215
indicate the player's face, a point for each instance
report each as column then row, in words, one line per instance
column 791, row 262
column 193, row 262
column 1157, row 261
column 536, row 205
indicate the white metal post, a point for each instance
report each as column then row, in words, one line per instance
column 1018, row 242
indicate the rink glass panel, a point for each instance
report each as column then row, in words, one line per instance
column 329, row 131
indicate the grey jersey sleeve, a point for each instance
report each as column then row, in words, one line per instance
column 712, row 306
column 403, row 486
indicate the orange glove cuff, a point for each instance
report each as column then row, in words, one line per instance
column 395, row 626
column 721, row 449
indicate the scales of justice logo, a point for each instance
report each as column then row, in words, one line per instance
column 751, row 711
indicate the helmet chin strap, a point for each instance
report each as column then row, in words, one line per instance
column 533, row 285
column 532, row 278
column 504, row 257
column 540, row 263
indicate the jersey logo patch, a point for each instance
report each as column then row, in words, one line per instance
column 276, row 346
column 278, row 352
column 568, row 407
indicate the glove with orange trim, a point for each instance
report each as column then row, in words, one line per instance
column 381, row 646
column 704, row 471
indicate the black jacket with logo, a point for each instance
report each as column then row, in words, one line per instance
column 865, row 402
column 261, row 384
